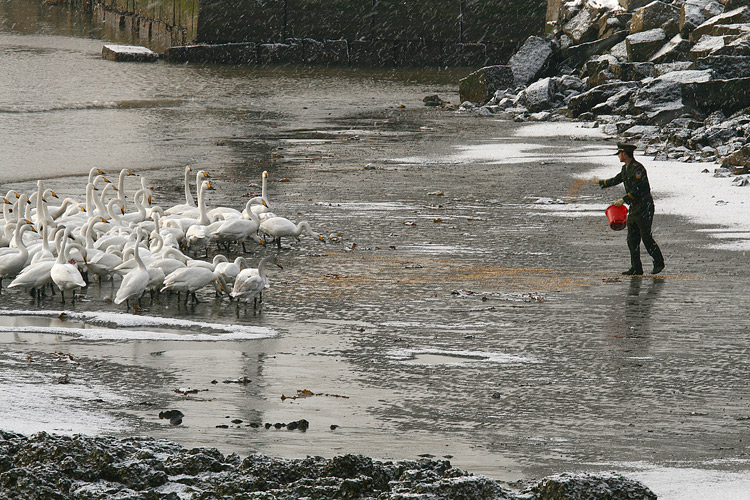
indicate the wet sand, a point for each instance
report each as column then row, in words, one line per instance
column 451, row 314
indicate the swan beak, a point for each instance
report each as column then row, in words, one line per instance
column 263, row 242
column 103, row 219
column 105, row 179
column 6, row 201
column 264, row 203
column 321, row 239
column 130, row 172
column 83, row 209
column 149, row 200
column 114, row 187
column 279, row 264
column 54, row 194
column 100, row 171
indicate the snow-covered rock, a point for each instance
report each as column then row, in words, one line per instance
column 128, row 53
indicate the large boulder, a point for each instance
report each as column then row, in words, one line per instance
column 641, row 46
column 540, row 95
column 577, row 54
column 583, row 27
column 532, row 61
column 738, row 47
column 728, row 96
column 741, row 15
column 481, row 85
column 585, row 102
column 661, row 100
column 676, row 49
column 628, row 72
column 693, row 13
column 705, row 46
column 656, row 15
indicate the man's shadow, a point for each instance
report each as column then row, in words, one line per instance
column 642, row 295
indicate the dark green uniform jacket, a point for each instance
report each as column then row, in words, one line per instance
column 637, row 188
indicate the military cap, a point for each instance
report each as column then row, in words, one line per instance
column 628, row 148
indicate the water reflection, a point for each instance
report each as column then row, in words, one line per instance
column 642, row 295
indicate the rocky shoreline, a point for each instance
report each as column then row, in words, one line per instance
column 671, row 76
column 55, row 467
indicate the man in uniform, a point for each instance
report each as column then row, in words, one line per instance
column 641, row 212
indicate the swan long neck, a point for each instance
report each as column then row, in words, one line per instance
column 137, row 253
column 89, row 197
column 62, row 250
column 188, row 195
column 204, row 219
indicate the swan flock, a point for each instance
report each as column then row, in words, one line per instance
column 150, row 249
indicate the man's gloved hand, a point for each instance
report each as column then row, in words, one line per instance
column 619, row 202
column 594, row 180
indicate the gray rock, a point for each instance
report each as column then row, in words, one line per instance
column 540, row 94
column 740, row 15
column 729, row 96
column 693, row 13
column 737, row 47
column 641, row 132
column 705, row 46
column 631, row 5
column 664, row 68
column 726, row 67
column 633, row 71
column 655, row 15
column 481, row 85
column 620, row 51
column 583, row 27
column 661, row 99
column 532, row 60
column 676, row 49
column 585, row 102
column 641, row 46
column 577, row 54
column 591, row 487
column 128, row 53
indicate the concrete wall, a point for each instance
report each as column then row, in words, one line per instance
column 379, row 32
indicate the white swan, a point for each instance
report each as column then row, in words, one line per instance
column 171, row 259
column 279, row 227
column 230, row 270
column 191, row 279
column 189, row 207
column 135, row 282
column 66, row 275
column 259, row 209
column 250, row 282
column 121, row 184
column 35, row 276
column 239, row 229
column 198, row 235
column 13, row 260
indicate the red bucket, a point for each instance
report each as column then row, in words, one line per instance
column 617, row 216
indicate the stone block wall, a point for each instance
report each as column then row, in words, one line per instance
column 379, row 32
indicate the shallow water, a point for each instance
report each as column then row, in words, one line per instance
column 449, row 314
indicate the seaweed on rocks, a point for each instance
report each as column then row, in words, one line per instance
column 51, row 467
